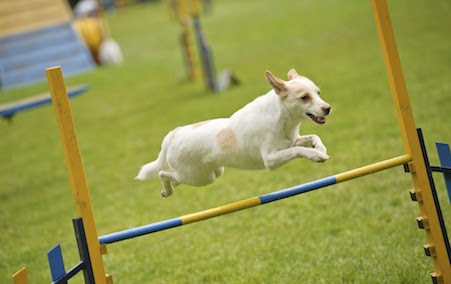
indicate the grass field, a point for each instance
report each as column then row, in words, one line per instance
column 361, row 231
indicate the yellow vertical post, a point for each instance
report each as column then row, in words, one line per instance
column 181, row 10
column 75, row 168
column 189, row 55
column 20, row 277
column 411, row 141
column 194, row 8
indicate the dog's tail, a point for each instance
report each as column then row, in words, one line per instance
column 152, row 169
column 149, row 170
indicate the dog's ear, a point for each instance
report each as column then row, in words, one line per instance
column 293, row 74
column 278, row 85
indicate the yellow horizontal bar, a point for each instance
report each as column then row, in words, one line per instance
column 366, row 170
column 221, row 210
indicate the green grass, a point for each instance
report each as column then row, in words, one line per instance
column 361, row 231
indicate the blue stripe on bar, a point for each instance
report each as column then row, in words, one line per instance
column 139, row 231
column 306, row 187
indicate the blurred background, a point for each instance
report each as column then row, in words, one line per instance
column 146, row 67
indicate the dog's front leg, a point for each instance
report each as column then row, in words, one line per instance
column 277, row 159
column 311, row 141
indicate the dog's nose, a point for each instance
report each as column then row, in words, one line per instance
column 326, row 109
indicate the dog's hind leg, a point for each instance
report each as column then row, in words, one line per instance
column 219, row 172
column 169, row 182
column 152, row 169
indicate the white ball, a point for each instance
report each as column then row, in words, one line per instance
column 110, row 52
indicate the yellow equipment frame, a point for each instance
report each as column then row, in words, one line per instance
column 411, row 141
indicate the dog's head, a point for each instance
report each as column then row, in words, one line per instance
column 300, row 96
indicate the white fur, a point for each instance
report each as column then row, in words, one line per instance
column 263, row 134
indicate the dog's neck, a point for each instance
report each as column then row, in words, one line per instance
column 289, row 123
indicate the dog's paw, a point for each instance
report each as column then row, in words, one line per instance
column 166, row 193
column 320, row 157
column 318, row 145
column 321, row 148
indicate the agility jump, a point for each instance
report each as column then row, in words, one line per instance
column 414, row 160
column 178, row 10
column 252, row 202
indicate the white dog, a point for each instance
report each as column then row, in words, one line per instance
column 263, row 134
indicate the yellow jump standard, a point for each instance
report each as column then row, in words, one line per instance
column 75, row 168
column 413, row 157
column 411, row 141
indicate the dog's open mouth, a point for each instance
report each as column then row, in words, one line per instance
column 319, row 120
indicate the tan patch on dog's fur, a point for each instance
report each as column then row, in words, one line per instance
column 199, row 124
column 226, row 139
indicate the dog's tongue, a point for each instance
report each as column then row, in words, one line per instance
column 319, row 120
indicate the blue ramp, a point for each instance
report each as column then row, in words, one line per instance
column 25, row 56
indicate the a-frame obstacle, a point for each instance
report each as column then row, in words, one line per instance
column 35, row 35
column 414, row 160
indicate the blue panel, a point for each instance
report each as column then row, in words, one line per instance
column 444, row 155
column 36, row 56
column 139, row 231
column 306, row 187
column 24, row 57
column 70, row 65
column 37, row 39
column 56, row 263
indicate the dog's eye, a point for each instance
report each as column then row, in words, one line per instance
column 305, row 98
